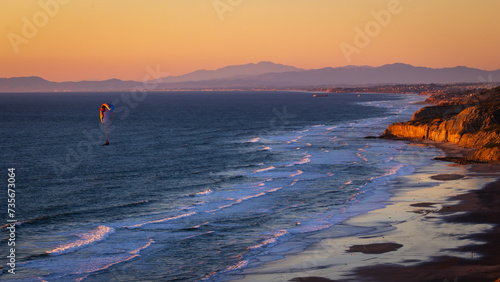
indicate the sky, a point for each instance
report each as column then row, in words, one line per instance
column 73, row 40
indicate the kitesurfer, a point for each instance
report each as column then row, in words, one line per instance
column 106, row 113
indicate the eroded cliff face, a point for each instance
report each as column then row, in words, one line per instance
column 472, row 126
column 437, row 111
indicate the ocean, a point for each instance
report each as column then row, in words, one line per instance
column 194, row 186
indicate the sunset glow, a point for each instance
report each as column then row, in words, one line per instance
column 97, row 40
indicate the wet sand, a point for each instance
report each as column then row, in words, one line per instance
column 483, row 262
column 379, row 248
column 443, row 223
column 447, row 177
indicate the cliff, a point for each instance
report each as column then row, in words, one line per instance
column 471, row 126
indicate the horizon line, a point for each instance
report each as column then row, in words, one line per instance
column 264, row 61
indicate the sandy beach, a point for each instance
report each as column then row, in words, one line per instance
column 441, row 224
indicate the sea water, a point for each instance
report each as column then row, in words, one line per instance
column 194, row 185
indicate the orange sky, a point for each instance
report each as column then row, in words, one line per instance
column 63, row 40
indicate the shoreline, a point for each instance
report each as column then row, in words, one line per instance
column 429, row 230
column 476, row 261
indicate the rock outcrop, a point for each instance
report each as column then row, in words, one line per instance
column 472, row 126
column 438, row 111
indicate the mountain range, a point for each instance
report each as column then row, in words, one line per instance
column 268, row 75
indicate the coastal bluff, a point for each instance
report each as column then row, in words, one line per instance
column 470, row 124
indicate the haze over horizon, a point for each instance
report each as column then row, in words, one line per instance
column 262, row 67
column 74, row 40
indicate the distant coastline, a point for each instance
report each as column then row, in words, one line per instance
column 268, row 76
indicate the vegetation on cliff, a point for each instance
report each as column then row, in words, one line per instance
column 471, row 121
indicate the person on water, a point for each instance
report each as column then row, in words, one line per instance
column 103, row 108
column 106, row 113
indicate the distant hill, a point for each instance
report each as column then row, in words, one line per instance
column 38, row 84
column 270, row 75
column 232, row 72
column 348, row 76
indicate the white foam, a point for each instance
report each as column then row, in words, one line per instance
column 253, row 140
column 274, row 189
column 87, row 238
column 160, row 220
column 264, row 169
column 136, row 251
column 237, row 202
column 94, row 266
column 238, row 265
column 294, row 140
column 235, row 266
column 296, row 173
column 200, row 234
column 271, row 240
column 304, row 160
column 361, row 157
column 206, row 192
column 250, row 197
column 200, row 225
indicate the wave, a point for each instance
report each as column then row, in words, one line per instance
column 296, row 173
column 390, row 171
column 133, row 254
column 271, row 240
column 304, row 160
column 202, row 193
column 200, row 225
column 95, row 235
column 264, row 169
column 274, row 189
column 235, row 266
column 240, row 200
column 294, row 140
column 54, row 217
column 134, row 204
column 40, row 218
column 238, row 265
column 160, row 220
column 253, row 140
column 200, row 234
column 250, row 197
column 361, row 157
